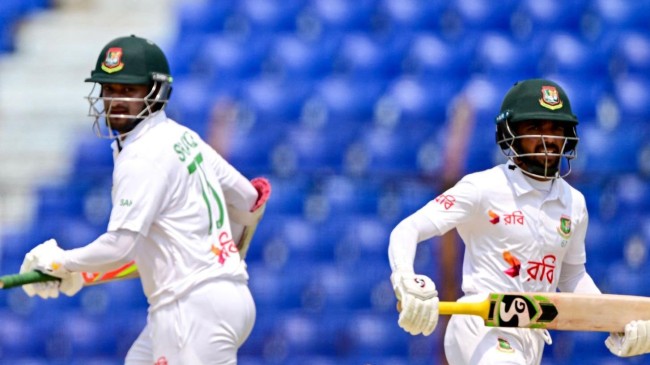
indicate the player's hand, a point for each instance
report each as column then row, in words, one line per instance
column 47, row 258
column 419, row 302
column 635, row 340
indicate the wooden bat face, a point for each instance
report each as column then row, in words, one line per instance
column 557, row 311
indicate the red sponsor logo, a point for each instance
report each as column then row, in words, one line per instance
column 161, row 361
column 516, row 217
column 225, row 248
column 515, row 265
column 494, row 218
column 446, row 201
column 542, row 270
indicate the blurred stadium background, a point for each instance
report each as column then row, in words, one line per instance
column 353, row 110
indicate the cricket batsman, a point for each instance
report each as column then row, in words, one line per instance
column 169, row 214
column 524, row 230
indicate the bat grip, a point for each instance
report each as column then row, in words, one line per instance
column 11, row 281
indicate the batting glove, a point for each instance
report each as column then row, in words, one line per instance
column 419, row 302
column 47, row 258
column 635, row 341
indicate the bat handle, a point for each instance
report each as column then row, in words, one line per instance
column 481, row 309
column 11, row 281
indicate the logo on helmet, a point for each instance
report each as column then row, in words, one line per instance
column 113, row 61
column 550, row 98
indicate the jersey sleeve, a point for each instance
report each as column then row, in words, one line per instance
column 440, row 215
column 237, row 189
column 138, row 195
column 451, row 208
column 576, row 253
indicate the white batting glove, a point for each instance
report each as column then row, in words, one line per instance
column 635, row 341
column 419, row 302
column 47, row 258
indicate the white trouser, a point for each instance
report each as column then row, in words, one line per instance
column 205, row 327
column 469, row 342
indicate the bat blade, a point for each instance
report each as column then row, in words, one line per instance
column 128, row 271
column 556, row 311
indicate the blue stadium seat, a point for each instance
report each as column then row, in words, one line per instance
column 382, row 151
column 360, row 237
column 375, row 334
column 84, row 336
column 632, row 53
column 347, row 100
column 196, row 18
column 341, row 288
column 341, row 15
column 421, row 99
column 92, row 160
column 485, row 94
column 430, row 55
column 270, row 15
column 621, row 14
column 633, row 97
column 249, row 149
column 182, row 54
column 275, row 289
column 319, row 149
column 622, row 279
column 566, row 52
column 412, row 15
column 483, row 14
column 294, row 57
column 288, row 195
column 606, row 152
column 347, row 196
column 414, row 194
column 304, row 240
column 224, row 58
column 59, row 200
column 12, row 12
column 20, row 337
column 194, row 101
column 500, row 53
column 274, row 100
column 584, row 94
column 362, row 55
column 543, row 16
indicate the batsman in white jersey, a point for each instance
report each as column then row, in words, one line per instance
column 524, row 230
column 169, row 215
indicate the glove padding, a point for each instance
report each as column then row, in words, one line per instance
column 48, row 258
column 419, row 302
column 635, row 340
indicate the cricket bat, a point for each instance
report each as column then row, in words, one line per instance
column 555, row 311
column 127, row 271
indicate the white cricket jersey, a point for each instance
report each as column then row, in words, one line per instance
column 516, row 237
column 168, row 186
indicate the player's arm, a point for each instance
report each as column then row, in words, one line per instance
column 575, row 279
column 108, row 252
column 416, row 294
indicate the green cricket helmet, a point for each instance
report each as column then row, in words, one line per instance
column 537, row 100
column 129, row 61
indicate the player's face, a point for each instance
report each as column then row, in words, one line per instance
column 546, row 141
column 120, row 110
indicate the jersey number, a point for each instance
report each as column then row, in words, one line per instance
column 207, row 190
